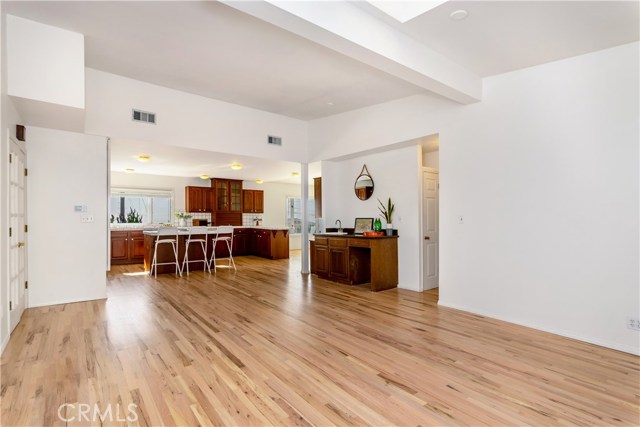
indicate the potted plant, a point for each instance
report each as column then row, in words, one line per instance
column 182, row 218
column 387, row 213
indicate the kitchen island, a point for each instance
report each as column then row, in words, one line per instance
column 266, row 242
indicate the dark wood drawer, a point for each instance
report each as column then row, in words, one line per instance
column 338, row 243
column 322, row 241
column 359, row 243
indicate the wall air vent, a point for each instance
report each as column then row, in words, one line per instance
column 274, row 140
column 144, row 116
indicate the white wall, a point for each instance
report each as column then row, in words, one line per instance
column 45, row 63
column 67, row 258
column 188, row 120
column 395, row 174
column 545, row 173
column 9, row 117
column 431, row 159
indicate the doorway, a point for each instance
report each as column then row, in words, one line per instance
column 430, row 228
column 17, row 233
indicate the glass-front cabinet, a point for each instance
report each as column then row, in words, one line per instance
column 222, row 194
column 236, row 196
column 228, row 195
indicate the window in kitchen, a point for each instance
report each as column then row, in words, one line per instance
column 142, row 206
column 294, row 215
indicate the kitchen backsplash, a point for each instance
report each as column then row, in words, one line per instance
column 250, row 219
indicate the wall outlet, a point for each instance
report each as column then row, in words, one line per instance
column 633, row 323
column 86, row 218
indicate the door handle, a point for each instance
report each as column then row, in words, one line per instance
column 427, row 238
column 20, row 244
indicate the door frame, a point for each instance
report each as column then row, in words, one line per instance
column 424, row 169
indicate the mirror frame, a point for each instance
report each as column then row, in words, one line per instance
column 364, row 173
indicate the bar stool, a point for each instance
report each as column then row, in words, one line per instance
column 223, row 234
column 166, row 236
column 197, row 231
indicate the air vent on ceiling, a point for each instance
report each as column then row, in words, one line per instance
column 274, row 140
column 144, row 116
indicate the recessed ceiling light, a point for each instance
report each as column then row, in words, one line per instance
column 129, row 170
column 143, row 158
column 330, row 104
column 204, row 176
column 295, row 173
column 458, row 15
column 259, row 181
column 236, row 166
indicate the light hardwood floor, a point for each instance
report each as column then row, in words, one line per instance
column 267, row 346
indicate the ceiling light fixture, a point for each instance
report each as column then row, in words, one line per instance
column 295, row 173
column 236, row 166
column 143, row 158
column 129, row 170
column 259, row 181
column 204, row 176
column 330, row 104
column 458, row 15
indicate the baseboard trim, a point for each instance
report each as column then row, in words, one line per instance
column 4, row 343
column 562, row 333
column 47, row 304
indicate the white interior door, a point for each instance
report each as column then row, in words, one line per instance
column 17, row 238
column 430, row 226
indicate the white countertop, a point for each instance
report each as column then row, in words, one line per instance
column 185, row 230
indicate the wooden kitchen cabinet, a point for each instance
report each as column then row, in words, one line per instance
column 241, row 241
column 253, row 201
column 227, row 201
column 317, row 196
column 119, row 246
column 227, row 195
column 127, row 247
column 198, row 199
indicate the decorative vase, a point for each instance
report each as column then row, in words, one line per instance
column 377, row 225
column 182, row 222
column 389, row 229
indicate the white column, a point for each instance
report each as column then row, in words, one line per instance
column 304, row 197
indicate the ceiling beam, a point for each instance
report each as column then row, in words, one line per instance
column 345, row 28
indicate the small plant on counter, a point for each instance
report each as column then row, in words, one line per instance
column 133, row 216
column 387, row 211
column 183, row 215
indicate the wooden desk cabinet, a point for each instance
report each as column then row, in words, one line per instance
column 356, row 259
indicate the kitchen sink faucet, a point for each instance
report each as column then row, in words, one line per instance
column 339, row 224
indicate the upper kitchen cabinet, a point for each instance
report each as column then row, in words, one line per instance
column 252, row 201
column 227, row 195
column 198, row 199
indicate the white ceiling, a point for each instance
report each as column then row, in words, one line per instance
column 172, row 161
column 210, row 49
column 501, row 36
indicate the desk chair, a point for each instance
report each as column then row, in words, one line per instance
column 223, row 234
column 194, row 237
column 166, row 236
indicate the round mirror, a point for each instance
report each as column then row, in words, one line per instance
column 364, row 184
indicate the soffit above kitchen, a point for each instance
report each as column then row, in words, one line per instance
column 169, row 160
column 298, row 65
